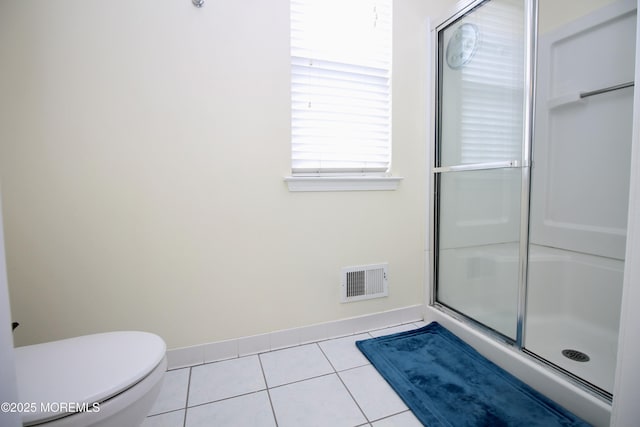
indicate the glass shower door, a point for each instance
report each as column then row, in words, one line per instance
column 478, row 169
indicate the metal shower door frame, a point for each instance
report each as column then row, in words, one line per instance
column 524, row 164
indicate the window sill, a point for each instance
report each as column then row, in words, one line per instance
column 343, row 183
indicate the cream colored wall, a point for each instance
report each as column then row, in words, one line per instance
column 142, row 150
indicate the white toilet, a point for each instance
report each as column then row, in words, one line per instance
column 113, row 378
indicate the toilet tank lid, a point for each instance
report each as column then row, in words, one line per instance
column 86, row 369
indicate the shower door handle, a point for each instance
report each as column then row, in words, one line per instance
column 480, row 166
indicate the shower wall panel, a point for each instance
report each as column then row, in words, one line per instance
column 580, row 180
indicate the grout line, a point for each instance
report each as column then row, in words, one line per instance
column 354, row 367
column 344, row 385
column 165, row 412
column 235, row 395
column 182, row 367
column 344, row 370
column 326, row 357
column 354, row 400
column 227, row 398
column 285, row 348
column 302, row 380
column 392, row 415
column 186, row 402
column 264, row 376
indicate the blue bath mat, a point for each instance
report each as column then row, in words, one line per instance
column 445, row 382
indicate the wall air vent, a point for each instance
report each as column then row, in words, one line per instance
column 364, row 282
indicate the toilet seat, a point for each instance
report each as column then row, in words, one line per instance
column 82, row 370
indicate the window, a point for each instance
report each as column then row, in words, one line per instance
column 340, row 87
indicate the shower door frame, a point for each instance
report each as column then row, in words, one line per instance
column 530, row 32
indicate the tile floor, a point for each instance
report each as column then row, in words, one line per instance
column 326, row 383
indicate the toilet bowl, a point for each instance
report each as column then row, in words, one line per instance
column 109, row 379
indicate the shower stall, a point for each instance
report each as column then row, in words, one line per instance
column 529, row 181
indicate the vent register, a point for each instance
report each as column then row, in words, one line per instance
column 364, row 282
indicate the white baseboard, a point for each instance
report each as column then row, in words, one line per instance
column 229, row 349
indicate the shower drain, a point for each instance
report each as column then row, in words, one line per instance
column 575, row 355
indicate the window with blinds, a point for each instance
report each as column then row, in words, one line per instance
column 340, row 86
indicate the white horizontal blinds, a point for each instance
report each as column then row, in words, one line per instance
column 340, row 86
column 493, row 86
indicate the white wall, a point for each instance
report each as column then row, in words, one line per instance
column 554, row 13
column 142, row 150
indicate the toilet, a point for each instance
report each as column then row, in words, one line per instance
column 108, row 379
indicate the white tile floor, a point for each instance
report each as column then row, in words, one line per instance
column 327, row 383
